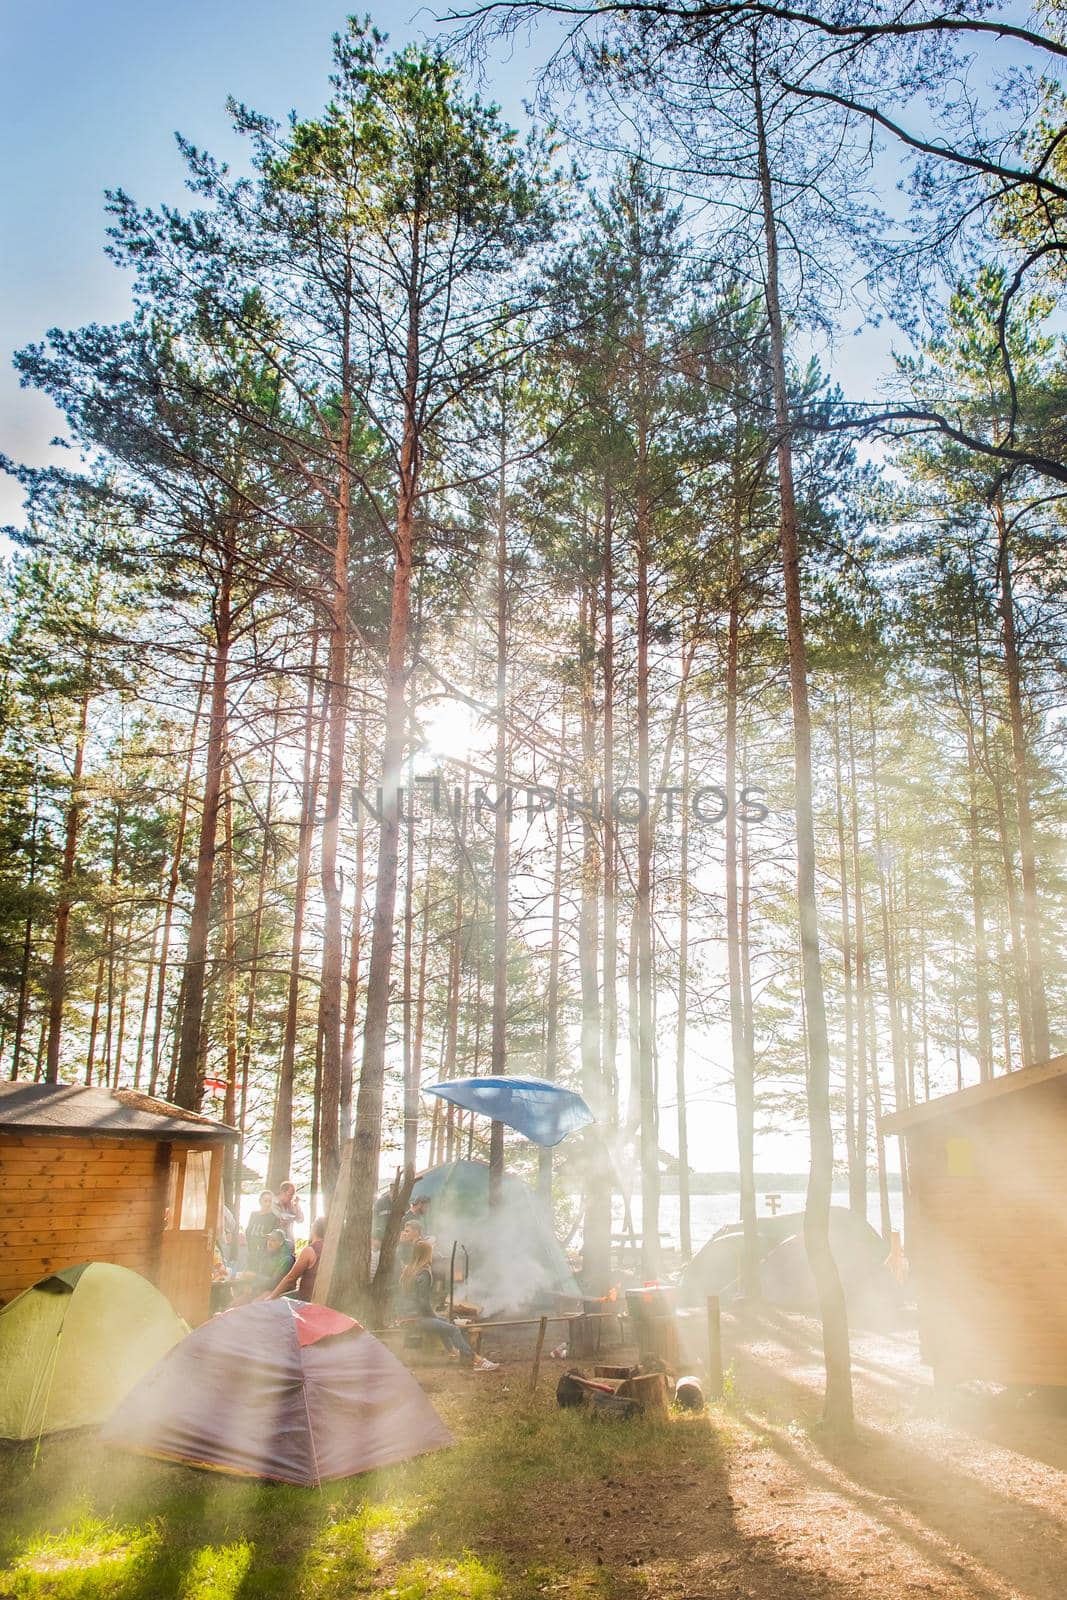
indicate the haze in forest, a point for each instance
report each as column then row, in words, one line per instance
column 433, row 447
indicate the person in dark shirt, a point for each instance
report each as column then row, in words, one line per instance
column 416, row 1286
column 259, row 1225
column 417, row 1212
column 278, row 1261
column 274, row 1264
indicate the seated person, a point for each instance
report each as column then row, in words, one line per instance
column 416, row 1286
column 276, row 1261
column 410, row 1236
column 299, row 1281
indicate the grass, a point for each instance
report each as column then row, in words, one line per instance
column 482, row 1521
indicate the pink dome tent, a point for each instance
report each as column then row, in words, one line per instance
column 282, row 1390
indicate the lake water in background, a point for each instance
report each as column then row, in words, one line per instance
column 707, row 1212
column 710, row 1212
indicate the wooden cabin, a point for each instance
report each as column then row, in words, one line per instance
column 985, row 1213
column 100, row 1175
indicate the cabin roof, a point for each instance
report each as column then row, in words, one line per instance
column 79, row 1112
column 947, row 1105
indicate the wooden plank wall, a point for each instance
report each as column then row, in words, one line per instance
column 988, row 1239
column 68, row 1200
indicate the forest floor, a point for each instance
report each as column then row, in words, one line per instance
column 747, row 1502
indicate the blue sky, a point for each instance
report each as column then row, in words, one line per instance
column 91, row 93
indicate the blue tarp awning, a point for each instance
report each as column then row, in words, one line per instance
column 542, row 1112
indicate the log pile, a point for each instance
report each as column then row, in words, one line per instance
column 616, row 1392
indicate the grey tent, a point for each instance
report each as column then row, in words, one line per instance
column 785, row 1277
column 279, row 1389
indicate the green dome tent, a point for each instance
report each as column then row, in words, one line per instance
column 74, row 1345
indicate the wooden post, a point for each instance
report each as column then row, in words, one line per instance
column 541, row 1327
column 452, row 1282
column 714, row 1348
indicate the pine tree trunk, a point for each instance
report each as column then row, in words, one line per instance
column 740, row 1040
column 113, row 880
column 412, row 1121
column 316, row 1116
column 57, row 977
column 124, row 980
column 896, row 1037
column 455, row 960
column 748, row 1012
column 610, row 998
column 94, row 1022
column 22, row 1005
column 909, row 987
column 109, row 1013
column 857, row 1170
column 596, row 1228
column 257, row 930
column 544, row 1155
column 876, row 1106
column 501, row 850
column 188, row 1085
column 411, row 1088
column 923, row 1015
column 1017, row 947
column 858, row 1182
column 281, row 1135
column 981, row 942
column 355, row 948
column 1031, row 906
column 358, row 1204
column 229, row 962
column 633, row 1102
column 173, row 880
column 685, row 1237
column 649, row 1129
column 332, row 975
column 837, row 1409
column 146, row 1006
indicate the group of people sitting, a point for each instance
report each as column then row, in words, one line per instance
column 265, row 1264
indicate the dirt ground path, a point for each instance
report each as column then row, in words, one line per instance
column 969, row 1501
column 964, row 1497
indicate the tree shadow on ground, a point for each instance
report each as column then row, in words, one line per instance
column 1003, row 1420
column 563, row 1504
column 956, row 1517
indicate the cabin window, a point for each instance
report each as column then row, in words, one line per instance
column 959, row 1158
column 174, row 1191
column 194, row 1195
